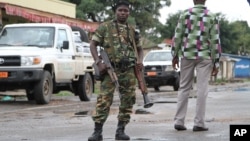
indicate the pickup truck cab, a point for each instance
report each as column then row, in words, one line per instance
column 43, row 59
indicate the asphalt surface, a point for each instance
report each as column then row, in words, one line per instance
column 67, row 119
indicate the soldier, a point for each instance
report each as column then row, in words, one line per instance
column 116, row 37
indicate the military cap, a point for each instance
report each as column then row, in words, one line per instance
column 120, row 3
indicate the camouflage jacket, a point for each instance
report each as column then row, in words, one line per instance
column 117, row 40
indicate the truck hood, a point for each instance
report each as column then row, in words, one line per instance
column 157, row 63
column 22, row 50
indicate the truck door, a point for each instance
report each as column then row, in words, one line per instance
column 66, row 63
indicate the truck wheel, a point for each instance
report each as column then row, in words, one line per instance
column 84, row 36
column 30, row 94
column 85, row 87
column 43, row 89
column 176, row 83
column 157, row 89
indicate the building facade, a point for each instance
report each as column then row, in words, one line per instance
column 42, row 11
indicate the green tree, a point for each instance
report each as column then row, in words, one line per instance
column 241, row 40
column 167, row 30
column 144, row 13
column 226, row 36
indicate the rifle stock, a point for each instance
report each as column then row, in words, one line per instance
column 142, row 87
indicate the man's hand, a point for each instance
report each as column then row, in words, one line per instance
column 175, row 62
column 214, row 71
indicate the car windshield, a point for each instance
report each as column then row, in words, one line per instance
column 159, row 56
column 27, row 36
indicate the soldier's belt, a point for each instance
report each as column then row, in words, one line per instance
column 122, row 66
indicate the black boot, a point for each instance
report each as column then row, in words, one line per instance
column 120, row 135
column 97, row 135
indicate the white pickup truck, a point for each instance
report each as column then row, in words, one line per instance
column 43, row 59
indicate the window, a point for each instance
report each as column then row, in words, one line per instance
column 159, row 56
column 28, row 36
column 62, row 36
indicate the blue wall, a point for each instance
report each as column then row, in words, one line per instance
column 242, row 68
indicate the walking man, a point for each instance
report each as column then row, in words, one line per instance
column 197, row 43
column 116, row 37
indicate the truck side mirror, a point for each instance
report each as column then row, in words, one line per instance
column 65, row 45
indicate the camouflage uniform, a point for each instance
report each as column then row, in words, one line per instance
column 108, row 37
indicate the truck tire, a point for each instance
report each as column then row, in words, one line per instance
column 84, row 35
column 157, row 89
column 30, row 94
column 85, row 87
column 43, row 89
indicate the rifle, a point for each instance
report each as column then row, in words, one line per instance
column 110, row 69
column 142, row 87
column 140, row 78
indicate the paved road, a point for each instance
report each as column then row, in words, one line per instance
column 68, row 119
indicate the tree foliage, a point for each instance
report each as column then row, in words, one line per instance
column 167, row 30
column 240, row 39
column 144, row 13
column 235, row 36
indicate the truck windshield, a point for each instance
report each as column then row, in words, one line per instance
column 27, row 36
column 159, row 56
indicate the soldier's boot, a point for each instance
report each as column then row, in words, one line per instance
column 120, row 135
column 97, row 135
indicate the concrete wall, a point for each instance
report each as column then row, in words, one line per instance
column 51, row 6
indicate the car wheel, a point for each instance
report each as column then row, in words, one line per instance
column 43, row 89
column 30, row 94
column 85, row 87
column 157, row 88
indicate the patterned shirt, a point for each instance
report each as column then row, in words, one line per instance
column 197, row 35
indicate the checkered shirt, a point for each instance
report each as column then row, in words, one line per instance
column 197, row 35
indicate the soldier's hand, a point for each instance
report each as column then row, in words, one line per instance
column 102, row 67
column 139, row 66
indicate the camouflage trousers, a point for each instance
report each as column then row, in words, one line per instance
column 127, row 81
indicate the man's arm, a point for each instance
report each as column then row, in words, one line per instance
column 176, row 43
column 215, row 46
column 97, row 39
column 93, row 49
column 215, row 41
column 177, row 39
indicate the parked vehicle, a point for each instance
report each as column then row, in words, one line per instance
column 43, row 59
column 158, row 70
